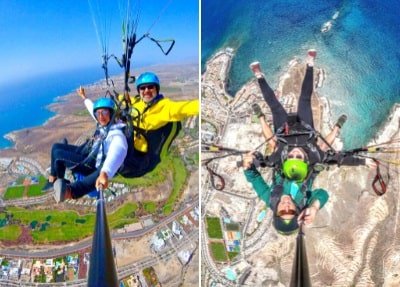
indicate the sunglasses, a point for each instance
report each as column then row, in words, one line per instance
column 102, row 112
column 284, row 212
column 297, row 156
column 150, row 87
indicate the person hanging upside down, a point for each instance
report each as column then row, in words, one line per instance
column 297, row 157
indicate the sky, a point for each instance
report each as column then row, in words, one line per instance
column 43, row 36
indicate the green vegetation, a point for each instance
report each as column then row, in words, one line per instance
column 150, row 179
column 36, row 189
column 232, row 255
column 124, row 215
column 14, row 192
column 33, row 224
column 214, row 229
column 150, row 206
column 5, row 262
column 158, row 175
column 10, row 232
column 53, row 225
column 150, row 276
column 41, row 278
column 179, row 178
column 193, row 159
column 218, row 251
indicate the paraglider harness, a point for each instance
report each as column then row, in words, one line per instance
column 137, row 162
column 87, row 147
column 148, row 160
column 288, row 136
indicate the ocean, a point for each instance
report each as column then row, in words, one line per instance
column 23, row 103
column 360, row 53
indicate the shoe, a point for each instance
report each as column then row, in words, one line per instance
column 256, row 69
column 311, row 54
column 47, row 186
column 60, row 188
column 340, row 122
column 257, row 110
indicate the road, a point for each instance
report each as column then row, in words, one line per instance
column 84, row 244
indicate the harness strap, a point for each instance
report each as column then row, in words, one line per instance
column 378, row 184
column 218, row 186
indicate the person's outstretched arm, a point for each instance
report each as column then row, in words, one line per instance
column 262, row 189
column 88, row 102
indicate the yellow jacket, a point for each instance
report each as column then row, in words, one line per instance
column 162, row 112
column 157, row 124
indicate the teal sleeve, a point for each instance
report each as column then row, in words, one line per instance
column 321, row 195
column 262, row 189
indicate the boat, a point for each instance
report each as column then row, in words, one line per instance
column 334, row 17
column 326, row 27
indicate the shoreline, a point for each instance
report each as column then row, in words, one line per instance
column 386, row 132
column 69, row 121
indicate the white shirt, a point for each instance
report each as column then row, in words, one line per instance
column 115, row 146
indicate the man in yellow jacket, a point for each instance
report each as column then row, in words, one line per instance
column 156, row 123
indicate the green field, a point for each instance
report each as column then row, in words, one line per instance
column 11, row 232
column 159, row 174
column 218, row 251
column 53, row 225
column 214, row 229
column 36, row 190
column 232, row 255
column 150, row 206
column 14, row 192
column 179, row 178
column 49, row 226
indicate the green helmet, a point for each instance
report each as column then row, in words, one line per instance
column 295, row 169
column 285, row 226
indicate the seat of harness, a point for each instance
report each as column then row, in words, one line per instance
column 295, row 132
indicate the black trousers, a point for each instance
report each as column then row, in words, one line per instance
column 304, row 111
column 65, row 156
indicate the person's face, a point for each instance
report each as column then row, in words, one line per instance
column 286, row 208
column 103, row 116
column 148, row 92
column 296, row 153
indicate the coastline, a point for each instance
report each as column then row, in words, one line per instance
column 71, row 121
column 370, row 233
column 388, row 131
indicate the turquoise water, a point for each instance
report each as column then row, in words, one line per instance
column 230, row 274
column 261, row 215
column 360, row 53
column 23, row 104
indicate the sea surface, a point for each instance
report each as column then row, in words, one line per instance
column 360, row 54
column 24, row 103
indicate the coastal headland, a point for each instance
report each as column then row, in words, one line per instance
column 353, row 241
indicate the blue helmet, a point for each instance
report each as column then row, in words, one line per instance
column 104, row 103
column 148, row 78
